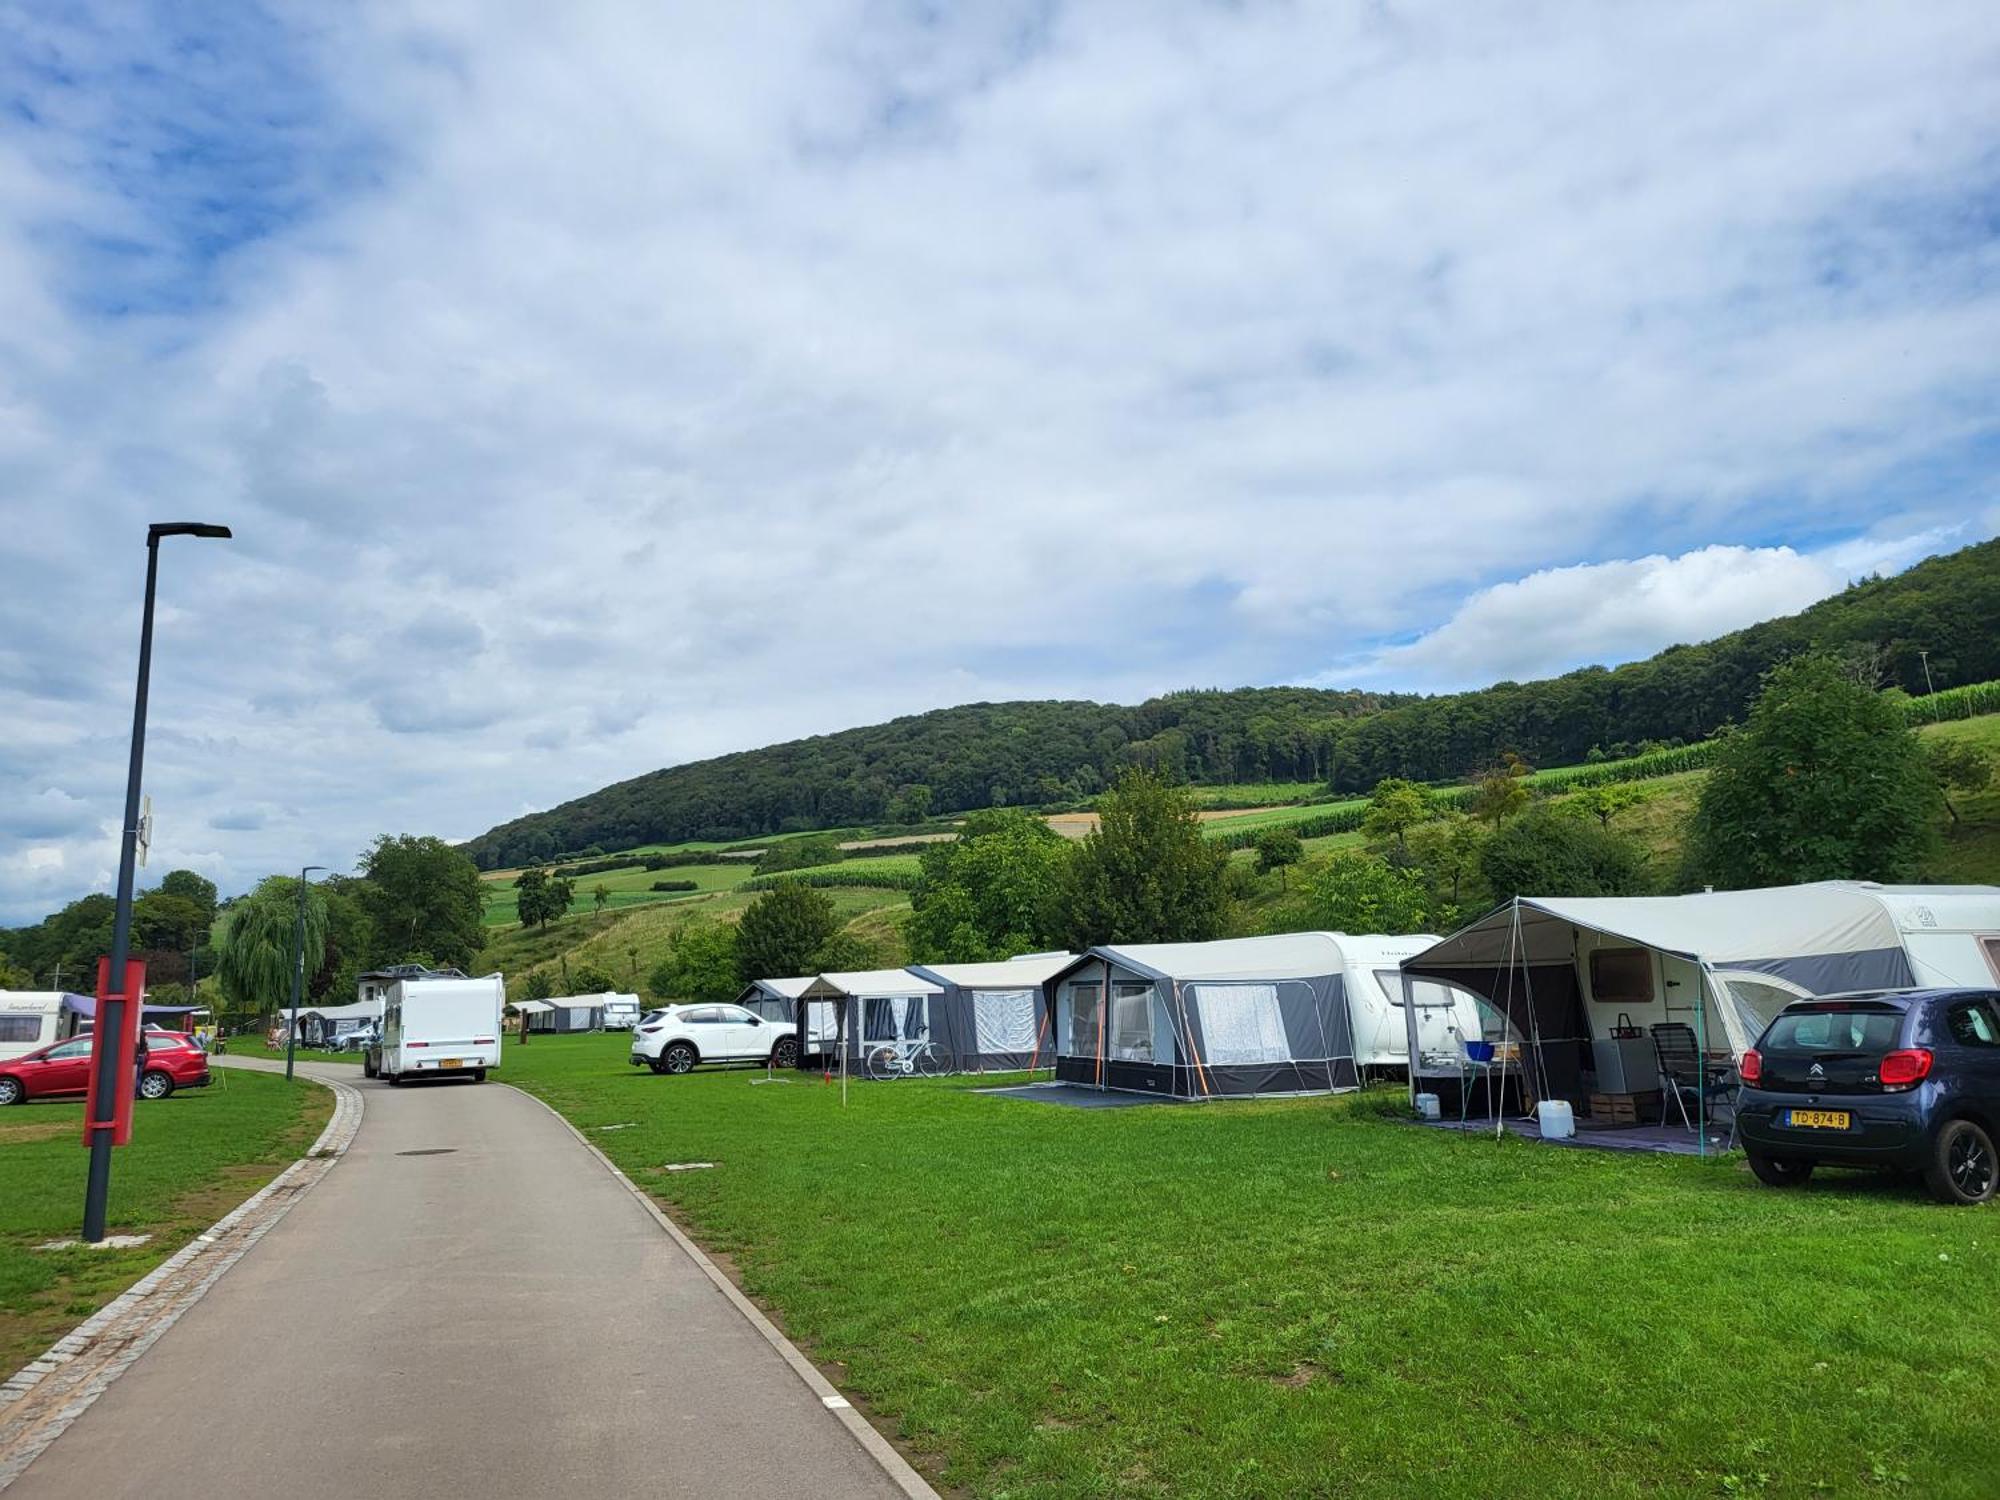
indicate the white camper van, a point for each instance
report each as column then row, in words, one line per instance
column 437, row 1027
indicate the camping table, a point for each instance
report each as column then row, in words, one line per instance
column 1469, row 1069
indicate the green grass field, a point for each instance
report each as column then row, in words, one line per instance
column 254, row 1046
column 193, row 1157
column 1291, row 1297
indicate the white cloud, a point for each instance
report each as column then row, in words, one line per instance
column 594, row 387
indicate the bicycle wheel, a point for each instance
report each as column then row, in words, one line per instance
column 883, row 1063
column 929, row 1064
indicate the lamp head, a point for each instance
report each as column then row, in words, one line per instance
column 185, row 528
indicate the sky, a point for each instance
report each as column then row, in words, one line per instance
column 595, row 387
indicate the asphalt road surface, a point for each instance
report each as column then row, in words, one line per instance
column 499, row 1319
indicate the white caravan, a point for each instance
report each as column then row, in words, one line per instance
column 435, row 1027
column 29, row 1019
column 621, row 1012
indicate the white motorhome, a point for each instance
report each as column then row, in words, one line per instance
column 29, row 1019
column 433, row 1027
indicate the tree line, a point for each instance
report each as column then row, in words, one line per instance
column 412, row 899
column 1042, row 754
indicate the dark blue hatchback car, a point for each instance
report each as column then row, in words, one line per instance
column 1905, row 1080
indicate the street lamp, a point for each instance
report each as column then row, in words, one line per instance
column 298, row 969
column 110, row 1022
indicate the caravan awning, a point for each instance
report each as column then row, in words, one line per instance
column 85, row 1005
column 1727, row 929
column 530, row 1007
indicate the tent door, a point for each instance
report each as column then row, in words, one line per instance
column 1685, row 999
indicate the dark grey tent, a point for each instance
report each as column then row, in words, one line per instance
column 1263, row 1015
column 775, row 999
column 993, row 1017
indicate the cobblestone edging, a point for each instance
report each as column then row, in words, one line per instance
column 40, row 1401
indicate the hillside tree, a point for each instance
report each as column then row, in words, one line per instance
column 1145, row 874
column 1278, row 849
column 782, row 932
column 1394, row 808
column 700, row 965
column 1958, row 766
column 423, row 897
column 1355, row 892
column 1544, row 853
column 994, row 891
column 1825, row 781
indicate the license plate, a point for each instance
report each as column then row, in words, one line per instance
column 459, row 1062
column 1819, row 1119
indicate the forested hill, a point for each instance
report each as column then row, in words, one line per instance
column 984, row 754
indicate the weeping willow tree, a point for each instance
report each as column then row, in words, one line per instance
column 254, row 966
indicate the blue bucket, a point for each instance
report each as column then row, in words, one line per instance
column 1479, row 1051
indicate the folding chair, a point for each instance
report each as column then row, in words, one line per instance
column 1683, row 1074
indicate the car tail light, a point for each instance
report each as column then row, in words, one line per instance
column 1905, row 1066
column 1751, row 1069
column 649, row 1030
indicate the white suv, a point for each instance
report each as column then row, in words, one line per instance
column 676, row 1037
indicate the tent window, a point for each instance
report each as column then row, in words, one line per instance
column 1084, row 1000
column 1241, row 1023
column 1004, row 1020
column 20, row 1028
column 1132, row 1022
column 1621, row 976
column 913, row 1018
column 888, row 1019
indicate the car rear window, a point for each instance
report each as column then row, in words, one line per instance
column 1861, row 1029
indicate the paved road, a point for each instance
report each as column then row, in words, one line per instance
column 503, row 1320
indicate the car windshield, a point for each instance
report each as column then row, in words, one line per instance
column 1860, row 1029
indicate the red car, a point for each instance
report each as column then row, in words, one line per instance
column 63, row 1068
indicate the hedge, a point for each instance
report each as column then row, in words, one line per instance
column 675, row 885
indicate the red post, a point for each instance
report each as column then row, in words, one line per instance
column 118, row 1118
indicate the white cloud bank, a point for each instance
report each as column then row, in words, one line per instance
column 595, row 386
column 1559, row 618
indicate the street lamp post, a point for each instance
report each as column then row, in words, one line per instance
column 298, row 970
column 110, row 1022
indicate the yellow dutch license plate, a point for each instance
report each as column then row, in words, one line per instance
column 459, row 1062
column 1820, row 1119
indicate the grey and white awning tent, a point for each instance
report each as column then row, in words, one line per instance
column 321, row 1025
column 775, row 999
column 560, row 1015
column 993, row 1017
column 1263, row 1015
column 847, row 1014
column 1556, row 974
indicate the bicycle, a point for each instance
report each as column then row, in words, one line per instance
column 903, row 1059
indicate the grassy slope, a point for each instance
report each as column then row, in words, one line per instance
column 193, row 1157
column 630, row 944
column 1287, row 1297
column 643, row 919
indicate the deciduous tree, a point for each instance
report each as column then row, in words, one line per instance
column 1543, row 853
column 1145, row 873
column 1394, row 808
column 783, row 931
column 700, row 965
column 993, row 892
column 1823, row 782
column 423, row 896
